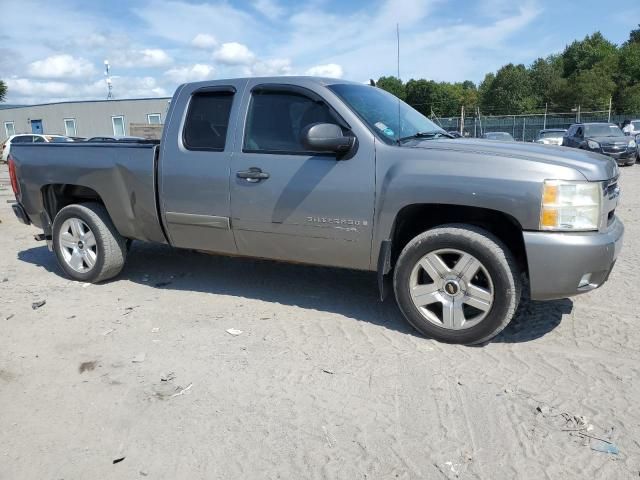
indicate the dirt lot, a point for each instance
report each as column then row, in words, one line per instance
column 323, row 381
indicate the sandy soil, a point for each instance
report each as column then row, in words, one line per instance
column 323, row 382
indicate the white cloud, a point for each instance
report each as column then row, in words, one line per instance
column 234, row 53
column 269, row 8
column 146, row 57
column 61, row 66
column 153, row 57
column 193, row 73
column 29, row 91
column 331, row 70
column 188, row 19
column 204, row 41
column 272, row 67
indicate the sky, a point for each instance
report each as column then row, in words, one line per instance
column 55, row 51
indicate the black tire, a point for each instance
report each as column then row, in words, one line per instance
column 111, row 246
column 495, row 258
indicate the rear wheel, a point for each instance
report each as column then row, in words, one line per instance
column 457, row 283
column 86, row 243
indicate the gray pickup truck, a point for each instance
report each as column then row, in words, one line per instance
column 341, row 174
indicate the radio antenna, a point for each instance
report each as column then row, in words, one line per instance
column 398, row 58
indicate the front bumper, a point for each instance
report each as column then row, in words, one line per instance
column 559, row 262
column 622, row 157
column 19, row 212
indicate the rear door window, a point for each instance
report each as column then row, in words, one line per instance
column 23, row 139
column 207, row 121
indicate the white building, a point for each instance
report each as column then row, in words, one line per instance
column 82, row 118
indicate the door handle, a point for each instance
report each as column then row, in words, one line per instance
column 253, row 175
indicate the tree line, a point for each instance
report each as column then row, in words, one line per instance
column 589, row 73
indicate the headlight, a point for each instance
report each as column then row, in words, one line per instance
column 593, row 145
column 632, row 144
column 570, row 206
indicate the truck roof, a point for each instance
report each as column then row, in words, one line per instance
column 292, row 80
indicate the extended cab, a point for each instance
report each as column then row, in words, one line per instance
column 341, row 174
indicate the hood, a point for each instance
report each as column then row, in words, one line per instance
column 593, row 166
column 610, row 140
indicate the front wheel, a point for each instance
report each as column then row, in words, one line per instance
column 457, row 284
column 86, row 243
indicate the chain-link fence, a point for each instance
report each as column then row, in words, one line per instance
column 526, row 127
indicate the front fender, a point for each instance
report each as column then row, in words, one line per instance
column 511, row 186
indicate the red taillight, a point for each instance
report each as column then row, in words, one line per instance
column 12, row 175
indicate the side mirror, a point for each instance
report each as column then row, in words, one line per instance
column 326, row 137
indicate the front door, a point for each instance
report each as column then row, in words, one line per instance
column 36, row 126
column 194, row 169
column 300, row 206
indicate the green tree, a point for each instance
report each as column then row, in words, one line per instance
column 583, row 55
column 634, row 35
column 591, row 90
column 629, row 65
column 547, row 83
column 392, row 85
column 3, row 91
column 510, row 92
column 628, row 100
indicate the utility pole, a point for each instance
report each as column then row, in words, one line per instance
column 610, row 98
column 578, row 119
column 107, row 74
column 524, row 126
column 462, row 121
column 546, row 107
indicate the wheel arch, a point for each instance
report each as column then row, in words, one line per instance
column 414, row 219
column 56, row 196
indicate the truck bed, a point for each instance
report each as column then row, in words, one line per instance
column 122, row 174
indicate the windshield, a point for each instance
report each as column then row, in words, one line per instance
column 498, row 136
column 59, row 139
column 602, row 130
column 390, row 118
column 636, row 125
column 552, row 134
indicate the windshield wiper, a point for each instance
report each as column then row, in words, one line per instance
column 432, row 134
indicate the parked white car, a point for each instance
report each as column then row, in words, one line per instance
column 551, row 136
column 30, row 138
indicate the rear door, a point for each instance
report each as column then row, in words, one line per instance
column 194, row 167
column 308, row 207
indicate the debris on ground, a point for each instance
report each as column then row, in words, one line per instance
column 604, row 447
column 139, row 358
column 155, row 330
column 182, row 392
column 128, row 310
column 118, row 460
column 544, row 410
column 144, row 473
column 168, row 377
column 330, row 440
column 5, row 279
column 87, row 366
column 107, row 332
column 38, row 304
column 330, row 372
column 234, row 331
column 9, row 317
column 86, row 284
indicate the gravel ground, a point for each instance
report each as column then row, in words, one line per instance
column 323, row 382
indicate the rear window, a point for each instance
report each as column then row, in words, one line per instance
column 207, row 121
